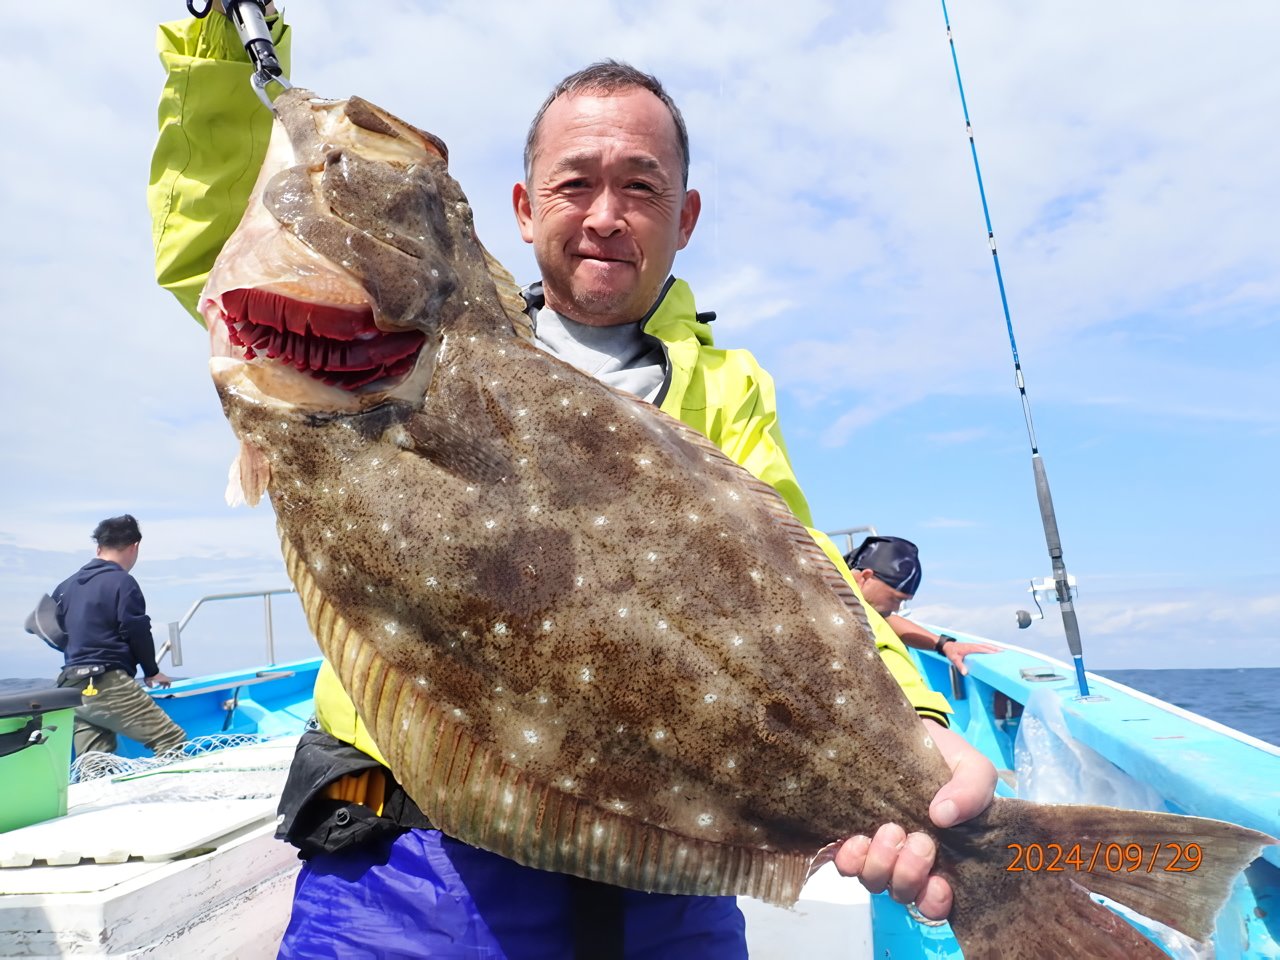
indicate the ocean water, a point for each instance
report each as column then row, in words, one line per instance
column 1247, row 698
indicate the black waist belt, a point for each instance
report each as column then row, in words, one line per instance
column 315, row 823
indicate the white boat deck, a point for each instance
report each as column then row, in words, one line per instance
column 177, row 862
column 181, row 862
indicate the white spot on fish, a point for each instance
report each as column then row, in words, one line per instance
column 457, row 712
column 597, row 831
column 731, row 763
column 386, row 527
column 368, row 588
column 531, row 736
column 710, row 698
column 422, row 681
column 757, row 576
column 585, row 675
column 643, row 461
column 564, row 401
column 317, row 564
column 659, row 734
column 841, row 700
column 391, row 627
column 838, row 620
column 619, row 805
column 500, row 629
column 579, row 580
column 490, row 524
column 567, row 783
column 736, row 641
column 705, row 819
column 522, row 412
column 547, row 626
column 612, row 428
column 431, row 582
column 693, row 518
column 831, row 754
column 662, row 625
column 837, row 665
column 622, row 612
column 404, row 724
column 777, row 628
column 793, row 783
column 534, row 509
column 928, row 743
column 602, row 521
column 543, row 698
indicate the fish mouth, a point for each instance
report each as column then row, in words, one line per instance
column 339, row 346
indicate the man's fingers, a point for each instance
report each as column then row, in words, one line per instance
column 935, row 902
column 911, row 868
column 972, row 784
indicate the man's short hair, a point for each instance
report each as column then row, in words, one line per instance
column 609, row 77
column 893, row 560
column 115, row 533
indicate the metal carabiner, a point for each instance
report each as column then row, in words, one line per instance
column 261, row 79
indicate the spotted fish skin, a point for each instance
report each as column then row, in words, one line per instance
column 581, row 636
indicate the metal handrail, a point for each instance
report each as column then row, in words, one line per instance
column 173, row 646
column 848, row 533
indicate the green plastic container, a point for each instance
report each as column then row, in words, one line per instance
column 35, row 754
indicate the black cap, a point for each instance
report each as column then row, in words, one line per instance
column 892, row 559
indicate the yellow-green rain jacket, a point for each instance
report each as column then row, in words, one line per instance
column 213, row 136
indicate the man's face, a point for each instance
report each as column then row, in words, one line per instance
column 882, row 597
column 605, row 208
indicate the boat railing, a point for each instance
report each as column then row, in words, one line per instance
column 173, row 646
column 847, row 533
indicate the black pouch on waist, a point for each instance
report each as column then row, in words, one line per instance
column 317, row 824
column 79, row 673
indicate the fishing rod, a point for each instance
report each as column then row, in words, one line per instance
column 1061, row 583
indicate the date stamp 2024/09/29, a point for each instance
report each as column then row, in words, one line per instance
column 1113, row 857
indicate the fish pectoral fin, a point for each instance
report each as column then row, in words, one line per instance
column 248, row 477
column 457, row 449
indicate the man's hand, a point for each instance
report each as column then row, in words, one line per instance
column 899, row 863
column 957, row 650
column 157, row 679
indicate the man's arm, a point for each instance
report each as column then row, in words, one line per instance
column 135, row 625
column 914, row 635
column 213, row 136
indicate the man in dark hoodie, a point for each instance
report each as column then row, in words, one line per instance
column 102, row 610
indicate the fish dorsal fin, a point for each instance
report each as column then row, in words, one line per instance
column 509, row 295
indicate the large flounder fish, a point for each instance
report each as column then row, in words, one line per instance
column 582, row 637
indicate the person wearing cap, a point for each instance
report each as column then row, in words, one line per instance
column 888, row 573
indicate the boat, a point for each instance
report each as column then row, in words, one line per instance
column 176, row 858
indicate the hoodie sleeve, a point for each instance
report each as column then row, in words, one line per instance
column 213, row 136
column 135, row 625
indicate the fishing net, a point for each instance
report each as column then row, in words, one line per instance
column 215, row 767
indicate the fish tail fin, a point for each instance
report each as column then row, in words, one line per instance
column 1022, row 874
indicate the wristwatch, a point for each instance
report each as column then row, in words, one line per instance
column 943, row 640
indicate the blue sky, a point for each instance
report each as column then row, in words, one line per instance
column 1129, row 156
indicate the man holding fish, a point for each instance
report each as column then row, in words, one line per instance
column 606, row 206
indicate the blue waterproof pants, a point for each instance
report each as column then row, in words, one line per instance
column 428, row 895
